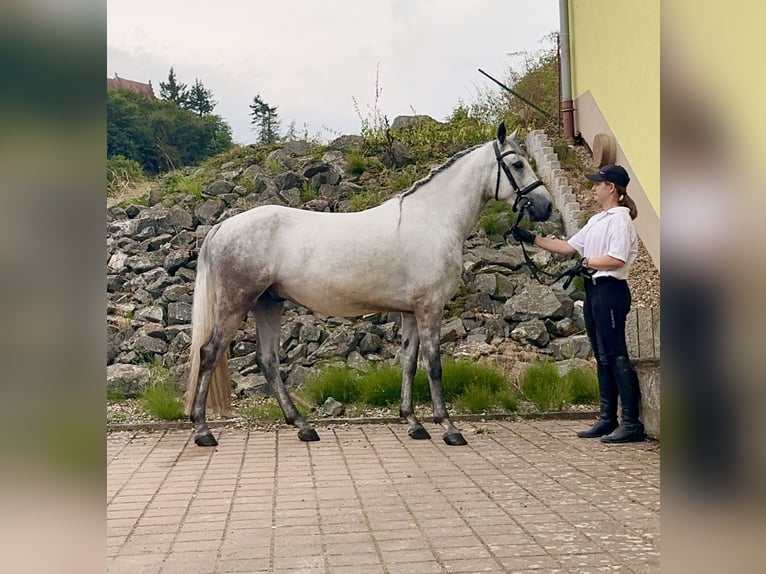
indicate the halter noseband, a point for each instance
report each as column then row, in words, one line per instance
column 502, row 166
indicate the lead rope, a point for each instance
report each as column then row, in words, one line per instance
column 535, row 271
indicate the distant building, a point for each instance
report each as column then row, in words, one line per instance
column 118, row 83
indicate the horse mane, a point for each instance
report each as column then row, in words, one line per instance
column 438, row 169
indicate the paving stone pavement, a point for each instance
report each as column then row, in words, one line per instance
column 522, row 497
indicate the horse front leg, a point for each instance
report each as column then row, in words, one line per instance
column 429, row 327
column 409, row 361
column 268, row 314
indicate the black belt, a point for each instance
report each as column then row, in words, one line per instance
column 602, row 279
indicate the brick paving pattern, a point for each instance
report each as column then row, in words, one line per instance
column 522, row 497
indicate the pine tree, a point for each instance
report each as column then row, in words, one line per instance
column 265, row 120
column 200, row 99
column 173, row 91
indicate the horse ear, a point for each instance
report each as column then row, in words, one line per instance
column 501, row 133
column 514, row 134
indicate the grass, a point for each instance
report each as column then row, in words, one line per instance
column 176, row 181
column 274, row 166
column 263, row 411
column 582, row 386
column 363, row 200
column 338, row 382
column 472, row 386
column 115, row 395
column 357, row 163
column 542, row 385
column 497, row 217
column 548, row 391
column 308, row 191
column 162, row 398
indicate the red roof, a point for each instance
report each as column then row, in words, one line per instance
column 118, row 83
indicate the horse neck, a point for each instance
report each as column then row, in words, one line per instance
column 456, row 196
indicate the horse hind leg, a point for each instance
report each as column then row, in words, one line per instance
column 268, row 314
column 210, row 353
column 409, row 362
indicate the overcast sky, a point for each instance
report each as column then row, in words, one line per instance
column 312, row 58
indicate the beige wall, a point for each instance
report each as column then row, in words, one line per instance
column 615, row 69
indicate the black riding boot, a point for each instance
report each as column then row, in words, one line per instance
column 631, row 429
column 607, row 390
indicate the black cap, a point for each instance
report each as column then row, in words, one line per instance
column 614, row 173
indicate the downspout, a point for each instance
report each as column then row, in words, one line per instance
column 567, row 107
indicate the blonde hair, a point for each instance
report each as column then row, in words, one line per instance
column 625, row 200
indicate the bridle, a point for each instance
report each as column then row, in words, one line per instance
column 519, row 206
column 520, row 193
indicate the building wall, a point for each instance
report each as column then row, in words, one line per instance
column 615, row 69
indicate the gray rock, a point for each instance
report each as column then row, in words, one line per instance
column 535, row 302
column 208, row 211
column 532, row 331
column 570, row 347
column 452, row 331
column 332, row 408
column 219, row 187
column 179, row 313
column 127, row 380
column 153, row 313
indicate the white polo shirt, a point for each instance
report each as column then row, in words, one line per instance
column 610, row 232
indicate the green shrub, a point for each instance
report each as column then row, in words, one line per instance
column 542, row 385
column 162, row 398
column 582, row 386
column 122, row 173
column 357, row 163
column 177, row 181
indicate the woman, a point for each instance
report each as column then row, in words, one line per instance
column 609, row 245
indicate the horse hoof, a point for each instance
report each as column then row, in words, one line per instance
column 308, row 435
column 206, row 440
column 454, row 439
column 418, row 433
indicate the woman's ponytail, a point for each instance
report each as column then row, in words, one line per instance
column 625, row 200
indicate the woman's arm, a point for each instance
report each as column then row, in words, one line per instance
column 604, row 263
column 555, row 245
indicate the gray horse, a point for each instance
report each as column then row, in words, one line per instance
column 405, row 255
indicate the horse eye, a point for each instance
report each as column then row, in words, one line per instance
column 518, row 164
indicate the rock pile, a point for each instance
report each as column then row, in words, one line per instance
column 152, row 251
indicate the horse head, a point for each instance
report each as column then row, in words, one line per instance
column 524, row 190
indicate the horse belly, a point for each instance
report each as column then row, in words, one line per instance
column 342, row 299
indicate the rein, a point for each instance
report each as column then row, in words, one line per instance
column 519, row 205
column 535, row 271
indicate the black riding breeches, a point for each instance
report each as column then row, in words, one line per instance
column 607, row 302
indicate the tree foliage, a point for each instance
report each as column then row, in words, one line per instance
column 265, row 120
column 200, row 99
column 159, row 135
column 173, row 91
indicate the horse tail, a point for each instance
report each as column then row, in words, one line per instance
column 203, row 320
